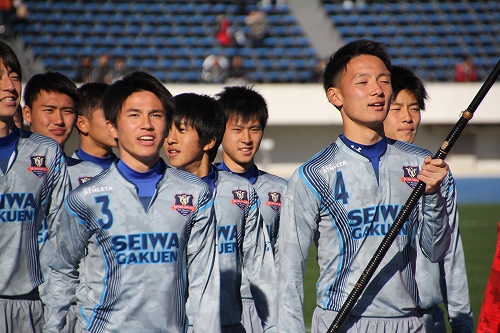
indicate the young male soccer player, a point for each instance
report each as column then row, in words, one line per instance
column 95, row 141
column 50, row 105
column 445, row 281
column 246, row 118
column 51, row 101
column 146, row 230
column 34, row 183
column 194, row 137
column 347, row 196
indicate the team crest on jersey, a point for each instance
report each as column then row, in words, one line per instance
column 274, row 201
column 410, row 175
column 83, row 180
column 183, row 204
column 38, row 166
column 240, row 199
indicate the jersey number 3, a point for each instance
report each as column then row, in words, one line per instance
column 107, row 222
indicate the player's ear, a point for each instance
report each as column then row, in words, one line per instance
column 82, row 124
column 111, row 129
column 209, row 145
column 26, row 114
column 334, row 97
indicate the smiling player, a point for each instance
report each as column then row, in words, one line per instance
column 346, row 197
column 146, row 230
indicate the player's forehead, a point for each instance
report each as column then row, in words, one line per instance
column 239, row 120
column 406, row 96
column 48, row 96
column 364, row 65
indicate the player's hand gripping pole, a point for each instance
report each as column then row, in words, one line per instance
column 409, row 205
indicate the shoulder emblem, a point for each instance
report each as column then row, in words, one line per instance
column 38, row 167
column 183, row 204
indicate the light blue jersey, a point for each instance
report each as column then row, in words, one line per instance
column 242, row 251
column 139, row 266
column 446, row 281
column 336, row 200
column 33, row 187
column 270, row 189
column 81, row 171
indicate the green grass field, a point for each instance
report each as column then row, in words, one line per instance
column 478, row 226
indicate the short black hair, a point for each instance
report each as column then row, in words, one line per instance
column 118, row 92
column 50, row 82
column 243, row 103
column 205, row 114
column 91, row 97
column 10, row 59
column 403, row 78
column 338, row 61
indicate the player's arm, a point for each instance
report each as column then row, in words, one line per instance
column 63, row 276
column 258, row 265
column 297, row 226
column 457, row 289
column 203, row 268
column 60, row 188
column 435, row 232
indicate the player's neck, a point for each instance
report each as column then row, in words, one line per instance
column 94, row 149
column 237, row 167
column 199, row 168
column 364, row 135
column 6, row 127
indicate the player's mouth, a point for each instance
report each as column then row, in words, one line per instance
column 58, row 131
column 246, row 150
column 173, row 152
column 10, row 100
column 378, row 106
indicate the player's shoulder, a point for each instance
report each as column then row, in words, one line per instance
column 185, row 178
column 321, row 164
column 81, row 164
column 269, row 177
column 39, row 141
column 408, row 148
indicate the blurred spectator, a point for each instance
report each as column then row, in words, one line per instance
column 465, row 71
column 237, row 75
column 21, row 11
column 84, row 70
column 119, row 70
column 224, row 33
column 101, row 71
column 257, row 22
column 317, row 72
column 215, row 69
column 7, row 14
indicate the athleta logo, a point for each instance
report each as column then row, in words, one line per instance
column 240, row 199
column 183, row 204
column 83, row 179
column 410, row 175
column 38, row 166
column 274, row 201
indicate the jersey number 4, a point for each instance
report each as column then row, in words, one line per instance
column 108, row 221
column 340, row 191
